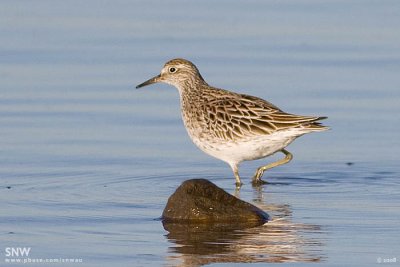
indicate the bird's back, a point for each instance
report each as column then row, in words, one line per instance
column 231, row 117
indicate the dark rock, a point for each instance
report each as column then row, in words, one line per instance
column 199, row 201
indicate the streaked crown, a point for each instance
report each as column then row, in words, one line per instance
column 180, row 72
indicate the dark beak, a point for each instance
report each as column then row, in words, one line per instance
column 150, row 81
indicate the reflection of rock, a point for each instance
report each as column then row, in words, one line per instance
column 201, row 239
column 200, row 201
column 280, row 240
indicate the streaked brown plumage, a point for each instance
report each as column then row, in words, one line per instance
column 230, row 126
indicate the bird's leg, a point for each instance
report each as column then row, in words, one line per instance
column 260, row 171
column 235, row 170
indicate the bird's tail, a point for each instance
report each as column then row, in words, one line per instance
column 315, row 126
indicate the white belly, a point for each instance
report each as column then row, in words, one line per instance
column 253, row 148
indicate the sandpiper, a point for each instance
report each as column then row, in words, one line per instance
column 233, row 127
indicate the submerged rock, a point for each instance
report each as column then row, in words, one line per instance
column 200, row 201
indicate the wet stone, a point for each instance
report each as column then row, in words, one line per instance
column 200, row 201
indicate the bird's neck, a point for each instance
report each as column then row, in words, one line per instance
column 191, row 88
column 191, row 95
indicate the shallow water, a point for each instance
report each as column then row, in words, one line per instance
column 88, row 163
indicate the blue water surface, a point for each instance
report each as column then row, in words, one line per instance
column 87, row 162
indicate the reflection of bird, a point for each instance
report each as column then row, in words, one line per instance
column 229, row 126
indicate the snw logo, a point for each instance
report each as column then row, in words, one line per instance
column 17, row 251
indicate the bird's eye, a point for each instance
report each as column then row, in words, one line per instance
column 172, row 70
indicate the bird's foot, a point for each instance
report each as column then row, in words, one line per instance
column 238, row 185
column 258, row 182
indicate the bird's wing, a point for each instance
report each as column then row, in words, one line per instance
column 237, row 116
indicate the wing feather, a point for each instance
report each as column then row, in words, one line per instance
column 237, row 116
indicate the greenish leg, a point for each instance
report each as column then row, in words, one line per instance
column 235, row 170
column 260, row 171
